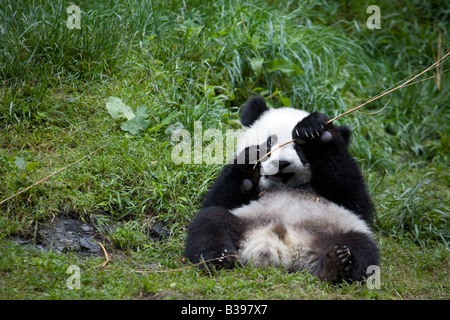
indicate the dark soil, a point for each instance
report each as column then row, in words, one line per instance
column 65, row 235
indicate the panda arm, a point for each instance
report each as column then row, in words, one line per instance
column 237, row 184
column 214, row 233
column 335, row 174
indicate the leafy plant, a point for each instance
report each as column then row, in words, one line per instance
column 135, row 123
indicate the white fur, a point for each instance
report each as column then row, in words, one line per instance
column 279, row 123
column 302, row 215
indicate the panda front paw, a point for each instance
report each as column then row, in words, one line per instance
column 247, row 164
column 250, row 156
column 311, row 129
column 225, row 258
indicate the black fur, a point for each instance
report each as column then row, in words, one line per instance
column 253, row 109
column 215, row 232
column 228, row 188
column 346, row 256
column 335, row 174
column 214, row 235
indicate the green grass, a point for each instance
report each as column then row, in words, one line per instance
column 407, row 272
column 191, row 61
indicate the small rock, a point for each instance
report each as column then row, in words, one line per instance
column 87, row 243
column 159, row 231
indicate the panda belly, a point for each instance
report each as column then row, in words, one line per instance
column 279, row 244
column 293, row 229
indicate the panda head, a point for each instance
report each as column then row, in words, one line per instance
column 269, row 127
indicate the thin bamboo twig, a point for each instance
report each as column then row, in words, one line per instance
column 183, row 268
column 56, row 172
column 380, row 95
column 273, row 150
column 441, row 60
column 375, row 112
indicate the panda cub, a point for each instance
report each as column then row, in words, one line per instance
column 303, row 207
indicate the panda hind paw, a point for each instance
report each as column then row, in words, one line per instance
column 337, row 264
column 345, row 256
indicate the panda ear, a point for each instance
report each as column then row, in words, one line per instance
column 346, row 134
column 252, row 110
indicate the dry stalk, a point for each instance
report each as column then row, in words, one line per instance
column 438, row 63
column 439, row 68
column 106, row 256
column 184, row 268
column 51, row 175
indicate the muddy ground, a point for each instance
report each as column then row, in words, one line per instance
column 69, row 234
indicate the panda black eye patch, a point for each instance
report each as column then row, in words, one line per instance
column 272, row 140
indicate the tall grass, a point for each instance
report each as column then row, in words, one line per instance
column 420, row 212
column 193, row 61
column 188, row 61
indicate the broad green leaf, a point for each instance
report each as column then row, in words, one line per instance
column 139, row 123
column 168, row 119
column 285, row 67
column 285, row 101
column 142, row 111
column 135, row 126
column 118, row 109
column 257, row 64
column 19, row 162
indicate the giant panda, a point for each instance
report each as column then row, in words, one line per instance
column 303, row 207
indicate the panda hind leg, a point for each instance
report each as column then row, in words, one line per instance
column 347, row 257
column 213, row 238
